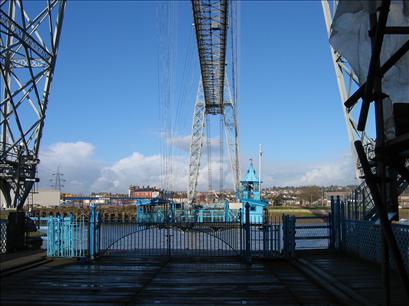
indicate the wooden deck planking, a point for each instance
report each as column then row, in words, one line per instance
column 230, row 283
column 187, row 281
column 123, row 280
column 102, row 283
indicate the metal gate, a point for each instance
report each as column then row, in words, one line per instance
column 191, row 239
column 89, row 237
column 312, row 232
column 172, row 239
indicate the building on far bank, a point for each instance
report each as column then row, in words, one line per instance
column 40, row 198
column 143, row 192
column 44, row 198
column 343, row 194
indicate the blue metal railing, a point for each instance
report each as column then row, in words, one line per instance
column 190, row 238
column 312, row 232
column 152, row 217
column 349, row 233
column 288, row 235
column 363, row 238
column 215, row 239
column 183, row 215
column 67, row 237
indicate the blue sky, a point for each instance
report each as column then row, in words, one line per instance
column 105, row 95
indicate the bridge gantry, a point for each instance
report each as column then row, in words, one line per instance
column 351, row 78
column 211, row 20
column 372, row 54
column 29, row 39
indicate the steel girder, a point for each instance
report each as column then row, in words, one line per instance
column 346, row 79
column 210, row 18
column 29, row 39
column 230, row 123
column 386, row 172
column 232, row 136
column 196, row 144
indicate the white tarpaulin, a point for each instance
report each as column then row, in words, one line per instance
column 349, row 37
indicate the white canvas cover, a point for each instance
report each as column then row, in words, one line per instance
column 349, row 37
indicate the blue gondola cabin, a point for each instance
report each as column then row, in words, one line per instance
column 250, row 193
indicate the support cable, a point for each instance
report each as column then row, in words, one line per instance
column 221, row 146
column 209, row 155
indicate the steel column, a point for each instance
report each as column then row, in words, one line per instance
column 28, row 52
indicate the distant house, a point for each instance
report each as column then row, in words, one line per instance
column 40, row 198
column 44, row 198
column 342, row 194
column 143, row 192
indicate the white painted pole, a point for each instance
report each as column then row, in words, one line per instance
column 259, row 168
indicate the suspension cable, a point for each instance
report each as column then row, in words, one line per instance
column 221, row 156
column 209, row 154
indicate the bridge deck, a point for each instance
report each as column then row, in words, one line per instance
column 126, row 280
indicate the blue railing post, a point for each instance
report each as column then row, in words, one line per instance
column 338, row 223
column 226, row 211
column 289, row 235
column 98, row 234
column 240, row 216
column 60, row 236
column 342, row 224
column 248, row 234
column 355, row 199
column 173, row 211
column 201, row 215
column 70, row 235
column 332, row 224
column 266, row 239
column 92, row 221
column 50, row 237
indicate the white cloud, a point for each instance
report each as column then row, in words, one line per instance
column 76, row 161
column 139, row 170
column 339, row 171
column 182, row 143
column 85, row 174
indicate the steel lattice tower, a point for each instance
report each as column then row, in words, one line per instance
column 58, row 182
column 28, row 51
column 214, row 96
column 347, row 82
column 385, row 166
